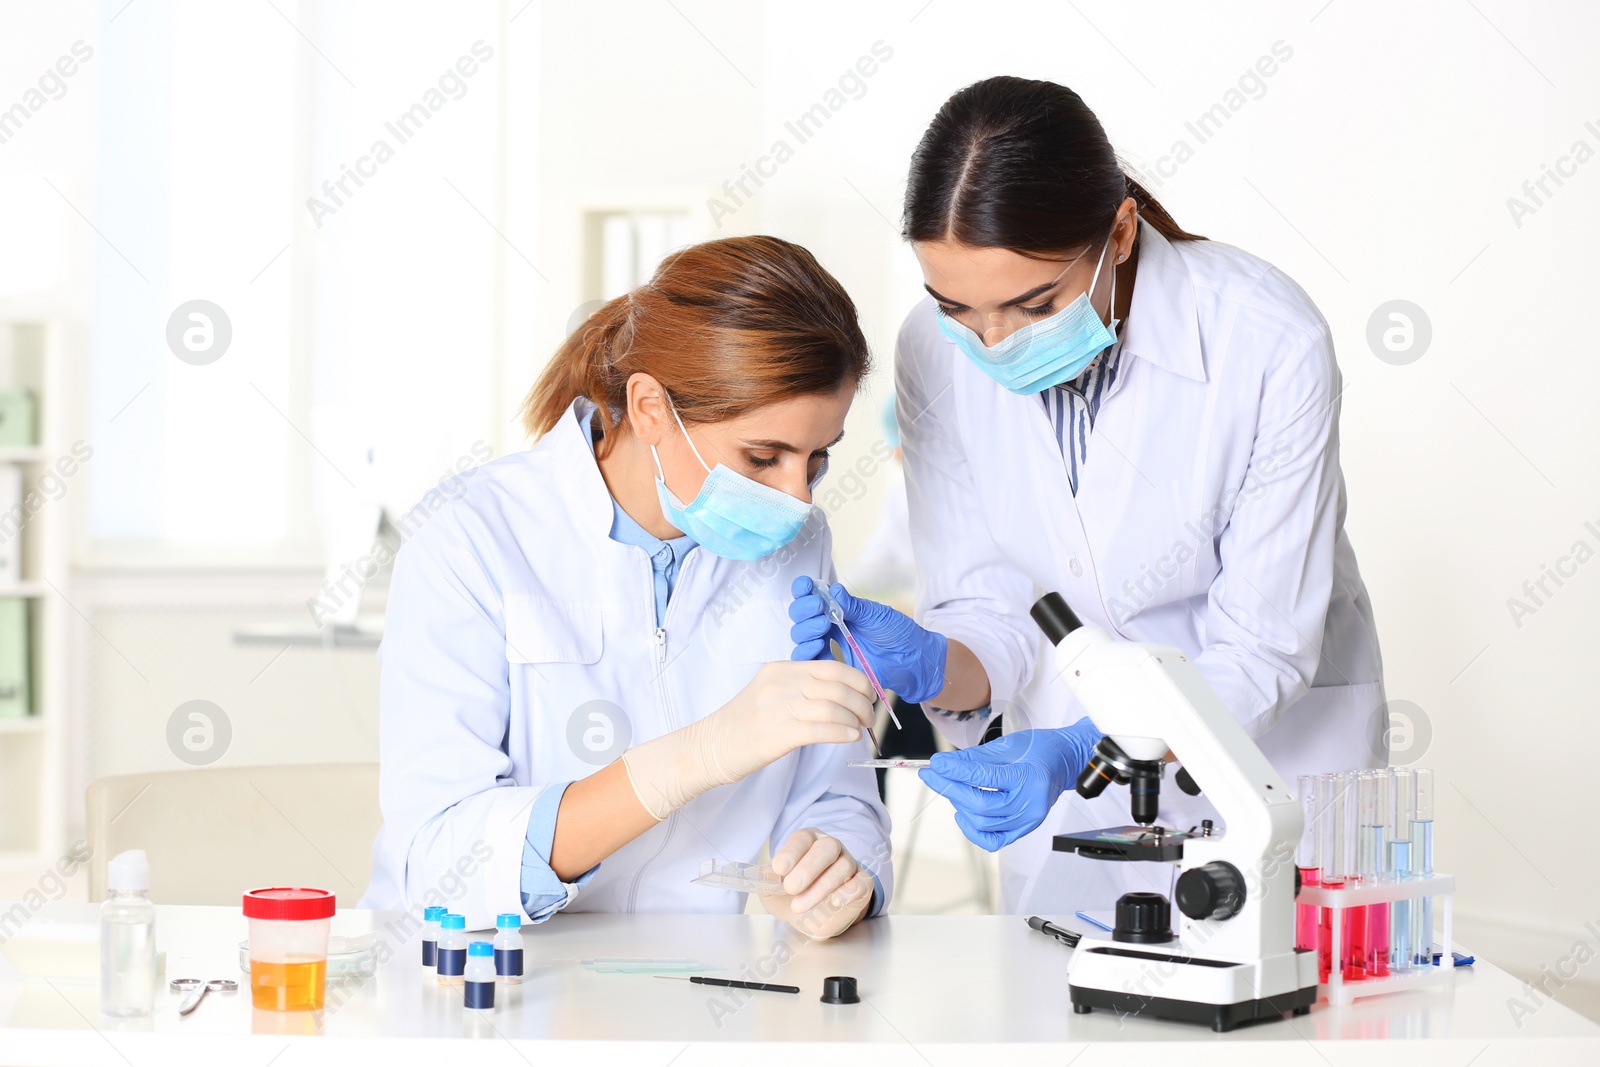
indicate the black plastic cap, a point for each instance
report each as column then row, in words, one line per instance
column 840, row 989
column 1054, row 617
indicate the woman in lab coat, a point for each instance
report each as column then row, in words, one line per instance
column 1096, row 402
column 586, row 689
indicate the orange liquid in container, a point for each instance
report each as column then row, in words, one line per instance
column 292, row 986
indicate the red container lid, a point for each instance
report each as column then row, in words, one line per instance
column 288, row 904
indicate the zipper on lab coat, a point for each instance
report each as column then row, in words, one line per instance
column 658, row 638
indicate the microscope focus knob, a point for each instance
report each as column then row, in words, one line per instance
column 1212, row 891
column 1143, row 919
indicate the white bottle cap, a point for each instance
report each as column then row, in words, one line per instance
column 129, row 871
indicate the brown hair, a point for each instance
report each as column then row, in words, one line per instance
column 726, row 327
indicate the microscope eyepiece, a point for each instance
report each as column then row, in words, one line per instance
column 1054, row 617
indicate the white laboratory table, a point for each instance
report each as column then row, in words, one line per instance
column 935, row 990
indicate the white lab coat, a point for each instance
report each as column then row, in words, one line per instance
column 511, row 613
column 1209, row 517
column 885, row 566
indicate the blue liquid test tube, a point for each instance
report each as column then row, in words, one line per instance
column 1422, row 865
column 1404, row 792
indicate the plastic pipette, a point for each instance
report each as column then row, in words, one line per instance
column 836, row 616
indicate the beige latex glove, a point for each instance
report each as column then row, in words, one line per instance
column 824, row 889
column 786, row 705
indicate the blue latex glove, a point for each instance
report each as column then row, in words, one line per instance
column 1026, row 772
column 906, row 658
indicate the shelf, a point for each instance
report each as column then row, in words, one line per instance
column 33, row 769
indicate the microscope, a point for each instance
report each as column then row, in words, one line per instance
column 1232, row 957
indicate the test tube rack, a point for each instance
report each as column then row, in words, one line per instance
column 1341, row 991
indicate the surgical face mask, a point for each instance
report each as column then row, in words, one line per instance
column 1045, row 353
column 733, row 516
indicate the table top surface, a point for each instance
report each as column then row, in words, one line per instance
column 924, row 981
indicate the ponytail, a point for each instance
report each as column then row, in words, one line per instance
column 582, row 366
column 1151, row 211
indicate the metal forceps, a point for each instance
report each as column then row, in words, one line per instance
column 197, row 990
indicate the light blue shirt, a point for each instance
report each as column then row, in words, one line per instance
column 543, row 892
column 666, row 557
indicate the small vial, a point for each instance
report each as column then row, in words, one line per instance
column 508, row 948
column 479, row 975
column 128, row 938
column 430, row 934
column 1422, row 865
column 452, row 951
column 1309, row 860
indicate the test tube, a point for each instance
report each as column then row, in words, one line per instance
column 1404, row 791
column 1422, row 865
column 1331, row 812
column 1355, row 919
column 1308, row 859
column 1375, row 846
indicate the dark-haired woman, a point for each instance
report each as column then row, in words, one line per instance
column 586, row 688
column 1094, row 401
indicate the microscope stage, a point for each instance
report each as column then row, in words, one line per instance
column 1152, row 843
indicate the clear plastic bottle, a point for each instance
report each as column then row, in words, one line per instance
column 480, row 975
column 128, row 938
column 508, row 948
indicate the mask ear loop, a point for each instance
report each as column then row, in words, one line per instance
column 657, row 458
column 1098, row 265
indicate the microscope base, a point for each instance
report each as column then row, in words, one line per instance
column 1221, row 993
column 1221, row 1017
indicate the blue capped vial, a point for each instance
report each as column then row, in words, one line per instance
column 452, row 951
column 430, row 934
column 508, row 948
column 480, row 975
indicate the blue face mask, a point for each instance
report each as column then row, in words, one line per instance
column 733, row 516
column 1045, row 353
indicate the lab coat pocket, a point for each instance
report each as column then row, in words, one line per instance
column 551, row 631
